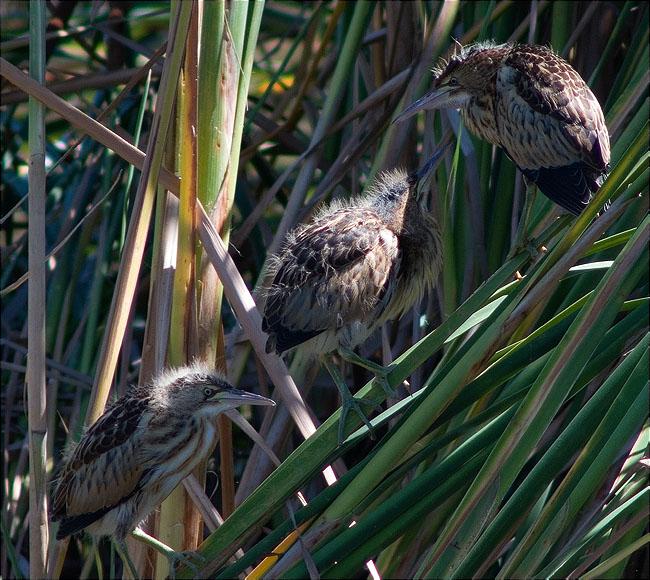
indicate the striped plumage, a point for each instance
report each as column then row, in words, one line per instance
column 356, row 265
column 534, row 105
column 140, row 449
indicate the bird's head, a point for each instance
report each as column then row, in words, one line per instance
column 200, row 390
column 468, row 74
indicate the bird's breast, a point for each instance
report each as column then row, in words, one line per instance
column 420, row 263
column 479, row 118
column 190, row 442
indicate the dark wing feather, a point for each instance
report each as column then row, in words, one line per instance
column 566, row 185
column 552, row 87
column 552, row 126
column 329, row 273
column 74, row 524
column 104, row 469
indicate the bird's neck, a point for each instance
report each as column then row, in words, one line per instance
column 394, row 209
column 479, row 116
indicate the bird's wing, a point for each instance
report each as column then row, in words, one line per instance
column 330, row 273
column 564, row 114
column 106, row 468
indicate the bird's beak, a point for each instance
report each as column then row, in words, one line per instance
column 237, row 397
column 443, row 98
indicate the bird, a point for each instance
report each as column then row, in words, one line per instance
column 139, row 450
column 356, row 265
column 535, row 106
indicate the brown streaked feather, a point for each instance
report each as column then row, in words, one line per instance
column 331, row 272
column 555, row 91
column 534, row 105
column 109, row 448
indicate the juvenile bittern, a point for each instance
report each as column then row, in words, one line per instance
column 534, row 105
column 139, row 450
column 356, row 265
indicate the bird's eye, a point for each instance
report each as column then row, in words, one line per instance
column 208, row 392
column 453, row 81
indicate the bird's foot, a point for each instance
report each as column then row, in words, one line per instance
column 380, row 372
column 348, row 403
column 193, row 560
column 524, row 246
column 382, row 378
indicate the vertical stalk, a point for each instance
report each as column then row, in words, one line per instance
column 36, row 392
column 224, row 91
column 136, row 237
column 244, row 25
column 179, row 523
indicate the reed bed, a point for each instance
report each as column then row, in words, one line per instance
column 154, row 156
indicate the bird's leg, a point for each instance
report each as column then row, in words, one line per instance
column 522, row 242
column 347, row 400
column 122, row 550
column 172, row 555
column 381, row 372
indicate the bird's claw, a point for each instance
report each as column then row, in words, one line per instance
column 382, row 379
column 355, row 404
column 193, row 560
column 524, row 246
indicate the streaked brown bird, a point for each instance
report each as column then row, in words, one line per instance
column 358, row 264
column 534, row 105
column 139, row 450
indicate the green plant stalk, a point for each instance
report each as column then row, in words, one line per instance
column 210, row 165
column 406, row 505
column 337, row 89
column 177, row 514
column 36, row 300
column 601, row 533
column 603, row 567
column 246, row 48
column 551, row 463
column 611, row 42
column 140, row 219
column 624, row 416
column 617, row 177
column 547, row 394
column 182, row 293
column 217, row 73
column 313, row 508
column 251, row 31
column 449, row 279
column 318, row 449
column 562, row 22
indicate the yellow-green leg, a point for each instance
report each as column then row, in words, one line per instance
column 380, row 372
column 521, row 241
column 122, row 550
column 348, row 401
column 173, row 556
